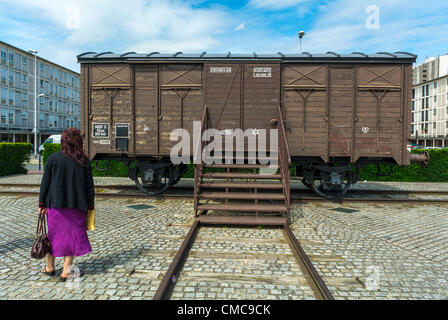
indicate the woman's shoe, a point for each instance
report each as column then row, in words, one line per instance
column 48, row 273
column 65, row 279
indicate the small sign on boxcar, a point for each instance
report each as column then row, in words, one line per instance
column 221, row 69
column 100, row 130
column 262, row 72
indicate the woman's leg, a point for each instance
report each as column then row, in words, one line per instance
column 50, row 263
column 68, row 262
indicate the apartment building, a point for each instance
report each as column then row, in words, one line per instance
column 430, row 103
column 58, row 101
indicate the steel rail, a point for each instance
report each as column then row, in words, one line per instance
column 313, row 278
column 169, row 280
column 294, row 192
column 188, row 195
column 315, row 281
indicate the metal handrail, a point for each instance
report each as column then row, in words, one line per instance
column 284, row 157
column 198, row 168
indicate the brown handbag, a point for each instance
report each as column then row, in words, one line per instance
column 41, row 245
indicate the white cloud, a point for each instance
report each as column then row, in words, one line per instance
column 109, row 25
column 241, row 26
column 275, row 4
column 404, row 26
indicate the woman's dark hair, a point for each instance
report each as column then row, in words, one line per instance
column 71, row 146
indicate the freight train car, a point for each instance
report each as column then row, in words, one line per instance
column 335, row 112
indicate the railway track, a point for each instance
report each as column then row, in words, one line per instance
column 314, row 280
column 130, row 191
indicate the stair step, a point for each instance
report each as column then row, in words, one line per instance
column 237, row 175
column 237, row 166
column 241, row 185
column 241, row 195
column 241, row 220
column 243, row 207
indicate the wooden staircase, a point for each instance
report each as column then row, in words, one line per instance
column 244, row 190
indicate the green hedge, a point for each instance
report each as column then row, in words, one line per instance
column 116, row 168
column 13, row 157
column 49, row 148
column 437, row 171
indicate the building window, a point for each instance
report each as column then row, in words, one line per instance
column 3, row 117
column 3, row 75
column 11, row 78
column 427, row 118
column 11, row 116
column 435, row 85
column 11, row 58
column 24, row 118
column 11, row 97
column 41, row 120
column 434, row 125
column 3, row 55
column 413, row 93
column 435, row 98
column 413, row 105
column 4, row 93
column 24, row 61
column 427, row 102
column 24, row 99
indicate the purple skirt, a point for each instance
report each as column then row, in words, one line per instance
column 67, row 232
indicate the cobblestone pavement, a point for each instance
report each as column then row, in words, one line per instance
column 402, row 247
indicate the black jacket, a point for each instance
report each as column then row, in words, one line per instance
column 66, row 184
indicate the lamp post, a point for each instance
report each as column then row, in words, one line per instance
column 35, row 100
column 301, row 34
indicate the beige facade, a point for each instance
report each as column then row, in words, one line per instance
column 58, row 109
column 430, row 103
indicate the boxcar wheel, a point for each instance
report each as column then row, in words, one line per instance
column 307, row 184
column 158, row 182
column 330, row 194
column 178, row 172
column 318, row 181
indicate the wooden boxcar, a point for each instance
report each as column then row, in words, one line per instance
column 340, row 111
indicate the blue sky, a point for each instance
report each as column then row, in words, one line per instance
column 61, row 29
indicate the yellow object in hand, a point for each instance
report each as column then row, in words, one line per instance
column 90, row 220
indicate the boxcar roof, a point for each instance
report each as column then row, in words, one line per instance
column 329, row 57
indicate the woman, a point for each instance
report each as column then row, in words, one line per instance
column 66, row 194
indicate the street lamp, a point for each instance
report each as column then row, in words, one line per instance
column 35, row 100
column 301, row 34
